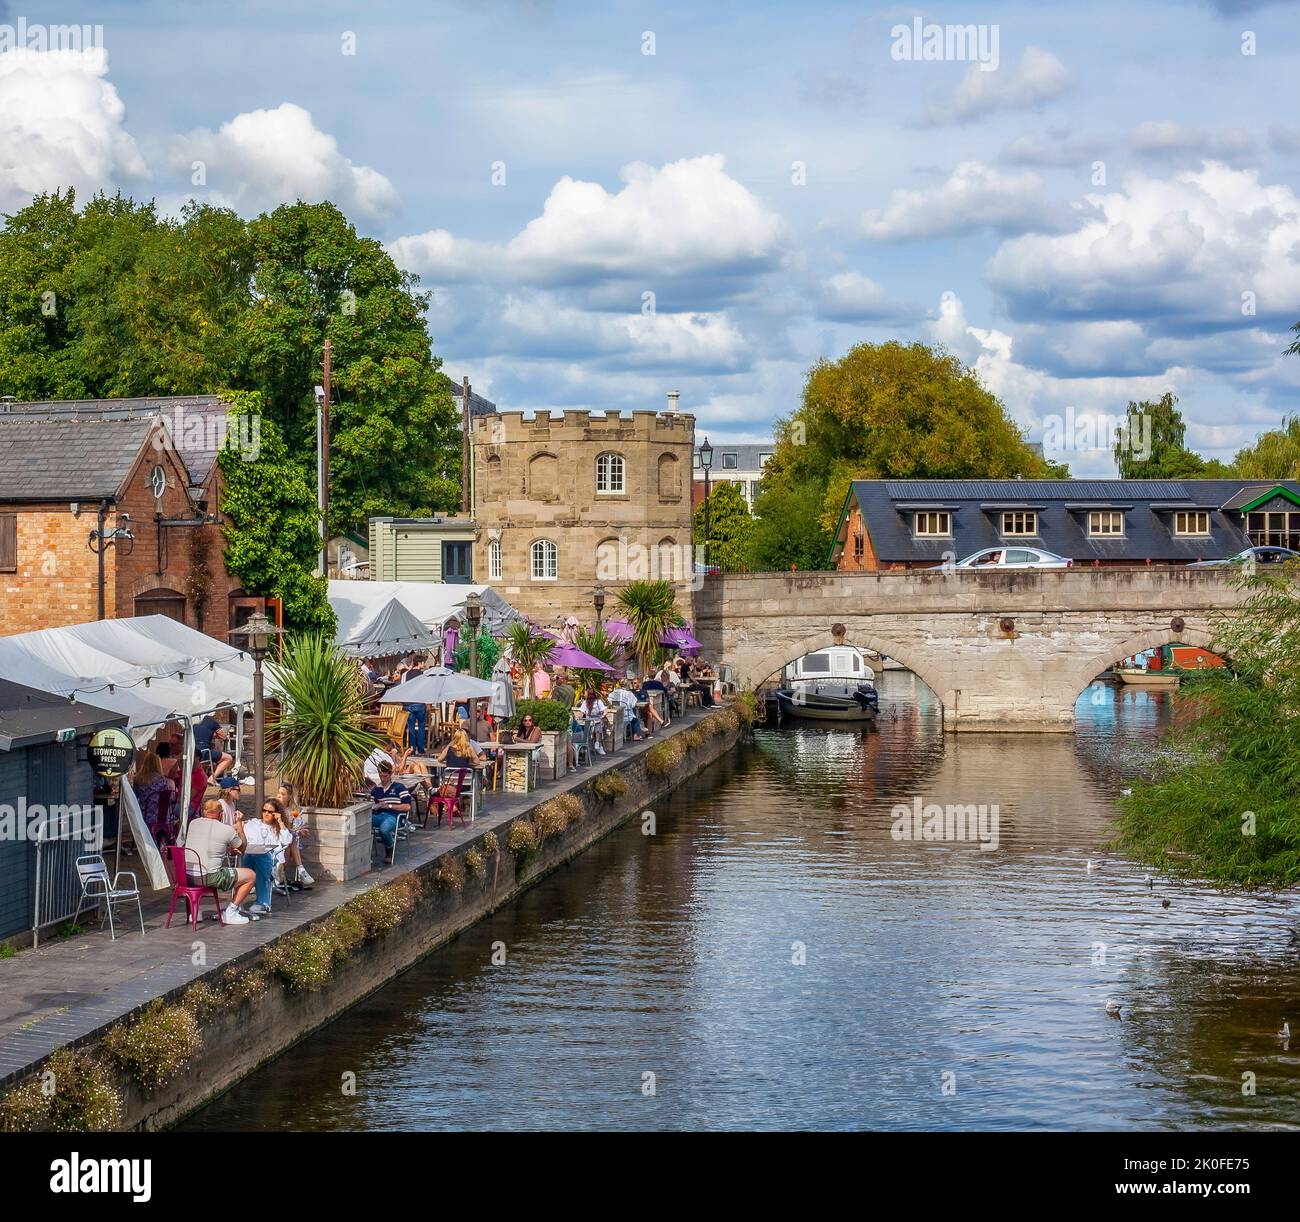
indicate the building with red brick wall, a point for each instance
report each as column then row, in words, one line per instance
column 71, row 472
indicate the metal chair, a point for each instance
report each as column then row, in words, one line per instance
column 92, row 873
column 581, row 745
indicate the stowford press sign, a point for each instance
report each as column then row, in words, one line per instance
column 110, row 752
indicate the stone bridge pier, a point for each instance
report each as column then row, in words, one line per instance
column 1003, row 651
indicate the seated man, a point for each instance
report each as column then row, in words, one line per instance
column 625, row 699
column 210, row 747
column 391, row 798
column 376, row 760
column 212, row 839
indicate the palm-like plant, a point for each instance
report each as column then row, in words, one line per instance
column 320, row 725
column 650, row 609
column 596, row 642
column 528, row 650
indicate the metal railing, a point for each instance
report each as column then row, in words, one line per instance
column 61, row 836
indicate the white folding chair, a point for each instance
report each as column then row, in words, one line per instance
column 98, row 888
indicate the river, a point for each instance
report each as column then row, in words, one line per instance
column 772, row 957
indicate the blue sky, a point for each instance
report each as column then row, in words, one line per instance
column 599, row 225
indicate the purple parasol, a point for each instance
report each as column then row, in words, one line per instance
column 565, row 654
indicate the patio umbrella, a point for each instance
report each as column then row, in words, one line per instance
column 438, row 686
column 618, row 630
column 681, row 639
column 502, row 703
column 565, row 654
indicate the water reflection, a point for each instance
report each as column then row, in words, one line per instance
column 774, row 958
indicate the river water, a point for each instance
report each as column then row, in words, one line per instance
column 772, row 957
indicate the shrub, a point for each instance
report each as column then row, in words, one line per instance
column 155, row 1047
column 474, row 863
column 609, row 786
column 302, row 960
column 522, row 838
column 344, row 931
column 664, row 757
column 247, row 986
column 203, row 1001
column 554, row 816
column 745, row 706
column 7, row 950
column 490, row 843
column 450, row 874
column 84, row 1099
column 548, row 714
column 694, row 737
column 380, row 909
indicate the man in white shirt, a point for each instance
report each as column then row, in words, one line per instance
column 626, row 700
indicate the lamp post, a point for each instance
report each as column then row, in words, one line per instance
column 101, row 540
column 474, row 614
column 598, row 601
column 706, row 464
column 258, row 633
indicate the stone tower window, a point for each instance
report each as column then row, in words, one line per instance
column 494, row 560
column 543, row 477
column 670, row 479
column 607, row 561
column 546, row 560
column 611, row 473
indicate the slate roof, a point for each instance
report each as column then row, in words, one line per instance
column 28, row 716
column 747, row 457
column 67, row 460
column 1061, row 505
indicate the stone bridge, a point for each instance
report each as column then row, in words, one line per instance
column 1008, row 650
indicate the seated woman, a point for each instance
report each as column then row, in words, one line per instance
column 592, row 706
column 529, row 731
column 156, row 795
column 459, row 753
column 292, row 871
column 267, row 840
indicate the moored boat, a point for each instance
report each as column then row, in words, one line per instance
column 833, row 684
column 1140, row 676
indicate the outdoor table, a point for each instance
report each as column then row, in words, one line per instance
column 476, row 778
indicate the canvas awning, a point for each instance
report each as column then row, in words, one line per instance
column 393, row 629
column 356, row 603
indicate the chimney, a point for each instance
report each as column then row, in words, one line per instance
column 673, row 396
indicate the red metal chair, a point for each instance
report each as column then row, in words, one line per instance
column 450, row 805
column 193, row 892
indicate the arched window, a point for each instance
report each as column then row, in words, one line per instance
column 607, row 561
column 494, row 559
column 671, row 565
column 610, row 474
column 670, row 480
column 492, row 475
column 543, row 477
column 546, row 560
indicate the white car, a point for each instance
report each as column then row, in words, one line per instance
column 1013, row 558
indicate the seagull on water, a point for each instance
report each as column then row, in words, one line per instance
column 1090, row 867
column 1285, row 1034
column 1112, row 1007
column 1150, row 882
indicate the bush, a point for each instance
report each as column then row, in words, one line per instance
column 663, row 758
column 554, row 816
column 304, row 961
column 155, row 1047
column 609, row 786
column 548, row 714
column 450, row 874
column 344, row 931
column 203, row 1001
column 84, row 1099
column 694, row 737
column 474, row 863
column 380, row 909
column 522, row 838
column 745, row 706
column 490, row 843
column 248, row 986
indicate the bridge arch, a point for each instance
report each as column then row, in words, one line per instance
column 1151, row 638
column 773, row 662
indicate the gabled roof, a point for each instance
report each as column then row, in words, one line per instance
column 1246, row 500
column 68, row 460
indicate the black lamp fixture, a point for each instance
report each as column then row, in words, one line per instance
column 706, row 464
column 258, row 633
column 706, row 455
column 598, row 601
column 474, row 614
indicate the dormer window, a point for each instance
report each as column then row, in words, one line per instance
column 933, row 524
column 1106, row 523
column 1019, row 522
column 1192, row 522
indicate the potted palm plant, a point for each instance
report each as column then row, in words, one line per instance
column 650, row 608
column 324, row 742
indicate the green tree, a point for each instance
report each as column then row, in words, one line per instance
column 272, row 520
column 1150, row 444
column 1274, row 455
column 787, row 528
column 489, row 650
column 892, row 410
column 1221, row 802
column 731, row 528
column 651, row 609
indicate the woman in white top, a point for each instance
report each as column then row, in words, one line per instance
column 593, row 706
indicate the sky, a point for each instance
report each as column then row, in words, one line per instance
column 1089, row 204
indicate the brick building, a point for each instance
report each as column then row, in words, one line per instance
column 67, row 470
column 565, row 501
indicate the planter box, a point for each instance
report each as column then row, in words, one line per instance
column 554, row 761
column 338, row 844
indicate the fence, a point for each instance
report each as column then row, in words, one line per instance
column 61, row 836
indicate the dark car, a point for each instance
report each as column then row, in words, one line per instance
column 1260, row 555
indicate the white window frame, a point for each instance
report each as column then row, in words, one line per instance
column 1030, row 524
column 538, row 558
column 608, row 466
column 1095, row 517
column 494, row 559
column 923, row 516
column 1181, row 516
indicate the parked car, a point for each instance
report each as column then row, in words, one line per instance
column 1013, row 558
column 1260, row 555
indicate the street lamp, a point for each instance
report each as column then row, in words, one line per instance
column 598, row 601
column 258, row 633
column 101, row 540
column 706, row 464
column 473, row 613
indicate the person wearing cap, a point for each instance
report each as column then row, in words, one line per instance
column 391, row 798
column 229, row 786
column 210, row 747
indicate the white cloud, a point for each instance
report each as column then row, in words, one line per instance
column 975, row 197
column 687, row 219
column 61, row 125
column 1176, row 253
column 852, row 297
column 1165, row 138
column 1037, row 78
column 263, row 158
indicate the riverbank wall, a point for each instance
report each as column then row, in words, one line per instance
column 172, row 1053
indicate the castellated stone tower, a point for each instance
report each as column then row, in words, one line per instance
column 565, row 501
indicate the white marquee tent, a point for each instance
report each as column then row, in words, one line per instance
column 357, row 603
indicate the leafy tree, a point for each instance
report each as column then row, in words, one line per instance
column 1275, row 454
column 488, row 652
column 902, row 411
column 730, row 527
column 651, row 609
column 272, row 522
column 1150, row 444
column 1221, row 802
column 787, row 528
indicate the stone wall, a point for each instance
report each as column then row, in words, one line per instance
column 1065, row 627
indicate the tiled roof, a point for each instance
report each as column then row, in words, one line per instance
column 67, row 460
